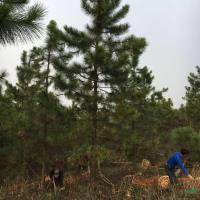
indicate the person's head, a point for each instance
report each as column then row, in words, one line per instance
column 185, row 152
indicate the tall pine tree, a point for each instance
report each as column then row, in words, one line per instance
column 103, row 60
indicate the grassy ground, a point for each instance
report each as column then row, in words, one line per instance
column 78, row 187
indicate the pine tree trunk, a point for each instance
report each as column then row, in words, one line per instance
column 46, row 118
column 24, row 165
column 94, row 161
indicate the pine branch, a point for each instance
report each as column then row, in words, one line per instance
column 20, row 24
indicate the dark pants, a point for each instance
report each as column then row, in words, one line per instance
column 171, row 174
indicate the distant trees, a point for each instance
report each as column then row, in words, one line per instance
column 38, row 107
column 186, row 137
column 32, row 118
column 192, row 98
column 3, row 75
column 141, row 114
column 114, row 111
column 18, row 22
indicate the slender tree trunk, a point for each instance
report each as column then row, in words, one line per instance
column 94, row 158
column 46, row 118
column 27, row 107
column 24, row 164
column 94, row 162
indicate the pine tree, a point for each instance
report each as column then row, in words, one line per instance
column 39, row 118
column 25, row 98
column 50, row 48
column 139, row 112
column 103, row 64
column 192, row 98
column 3, row 75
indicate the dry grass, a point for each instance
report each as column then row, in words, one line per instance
column 78, row 188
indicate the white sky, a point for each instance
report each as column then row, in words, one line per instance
column 171, row 28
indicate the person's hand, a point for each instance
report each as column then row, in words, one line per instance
column 62, row 188
column 190, row 177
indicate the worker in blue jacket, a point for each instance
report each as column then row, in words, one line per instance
column 176, row 159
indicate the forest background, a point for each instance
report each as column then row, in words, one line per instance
column 114, row 113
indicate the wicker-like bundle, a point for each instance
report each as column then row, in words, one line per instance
column 163, row 182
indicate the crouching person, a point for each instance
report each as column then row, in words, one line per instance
column 175, row 160
column 57, row 175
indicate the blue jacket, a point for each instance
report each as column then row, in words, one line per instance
column 176, row 160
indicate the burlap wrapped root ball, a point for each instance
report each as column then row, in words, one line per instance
column 145, row 164
column 163, row 182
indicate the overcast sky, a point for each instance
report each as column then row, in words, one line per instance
column 171, row 28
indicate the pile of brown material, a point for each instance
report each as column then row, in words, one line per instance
column 146, row 182
column 186, row 183
column 164, row 182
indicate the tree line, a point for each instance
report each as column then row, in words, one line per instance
column 114, row 111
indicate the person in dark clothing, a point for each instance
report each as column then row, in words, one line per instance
column 174, row 160
column 57, row 174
